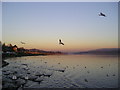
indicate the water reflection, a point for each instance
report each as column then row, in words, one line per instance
column 62, row 71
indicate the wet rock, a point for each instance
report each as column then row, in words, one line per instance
column 20, row 82
column 39, row 80
column 31, row 84
column 20, row 76
column 20, row 88
column 32, row 78
column 25, row 64
column 9, row 85
column 4, row 70
column 15, row 72
column 28, row 83
column 16, row 67
column 46, row 75
column 26, row 77
column 28, row 72
column 38, row 74
column 113, row 74
column 26, row 68
column 86, row 80
column 4, row 63
column 6, row 73
column 7, row 79
column 61, row 70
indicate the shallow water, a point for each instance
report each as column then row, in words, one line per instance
column 62, row 71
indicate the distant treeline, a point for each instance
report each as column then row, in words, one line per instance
column 14, row 51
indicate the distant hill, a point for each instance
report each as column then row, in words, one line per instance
column 103, row 51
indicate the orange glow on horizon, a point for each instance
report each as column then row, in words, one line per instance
column 68, row 47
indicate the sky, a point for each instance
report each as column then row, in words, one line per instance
column 41, row 24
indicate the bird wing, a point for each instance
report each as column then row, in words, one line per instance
column 62, row 43
column 59, row 40
column 22, row 42
column 102, row 14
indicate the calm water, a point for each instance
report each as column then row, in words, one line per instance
column 62, row 71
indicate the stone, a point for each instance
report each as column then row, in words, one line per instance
column 38, row 74
column 39, row 80
column 9, row 85
column 86, row 80
column 28, row 83
column 31, row 77
column 20, row 82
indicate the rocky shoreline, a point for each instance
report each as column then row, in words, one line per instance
column 6, row 56
column 4, row 63
column 21, row 75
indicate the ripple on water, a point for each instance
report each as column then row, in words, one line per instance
column 65, row 71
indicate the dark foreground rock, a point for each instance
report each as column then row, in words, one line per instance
column 4, row 63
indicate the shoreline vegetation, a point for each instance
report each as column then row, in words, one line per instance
column 9, row 51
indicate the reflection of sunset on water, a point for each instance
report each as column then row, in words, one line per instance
column 78, row 71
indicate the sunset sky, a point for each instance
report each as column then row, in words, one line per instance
column 42, row 24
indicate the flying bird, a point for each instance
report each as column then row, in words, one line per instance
column 22, row 42
column 101, row 14
column 60, row 42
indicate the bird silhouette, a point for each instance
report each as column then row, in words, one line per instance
column 22, row 42
column 60, row 42
column 101, row 14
